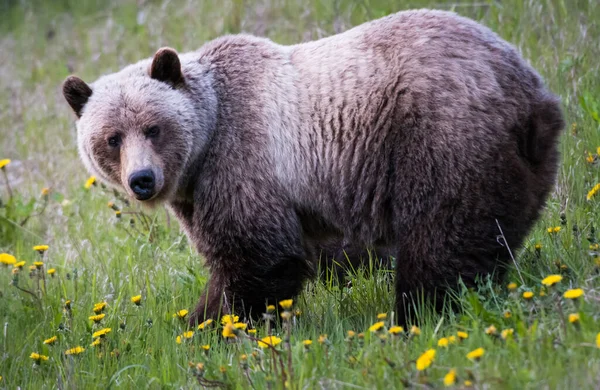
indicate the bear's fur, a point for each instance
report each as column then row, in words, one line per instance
column 421, row 133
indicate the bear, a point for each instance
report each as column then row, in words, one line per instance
column 422, row 132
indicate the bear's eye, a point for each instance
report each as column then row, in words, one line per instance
column 114, row 141
column 152, row 131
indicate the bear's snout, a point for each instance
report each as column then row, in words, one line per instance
column 143, row 184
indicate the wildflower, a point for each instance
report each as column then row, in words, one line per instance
column 594, row 247
column 527, row 295
column 507, row 314
column 228, row 319
column 381, row 316
column 229, row 331
column 223, row 369
column 15, row 270
column 476, row 354
column 51, row 340
column 118, row 214
column 322, row 339
column 97, row 318
column 425, row 360
column 443, row 342
column 452, row 339
column 270, row 308
column 101, row 332
column 538, row 246
column 573, row 293
column 137, row 300
column 188, row 334
column 45, row 191
column 40, row 248
column 74, row 351
column 7, row 259
column 506, row 333
column 240, row 325
column 351, row 334
column 414, row 330
column 37, row 357
column 206, row 347
column 204, row 324
column 90, row 182
column 512, row 286
column 462, row 335
column 553, row 230
column 20, row 264
column 491, row 330
column 96, row 342
column 269, row 341
column 574, row 318
column 450, row 378
column 298, row 312
column 598, row 340
column 395, row 330
column 99, row 307
column 307, row 343
column 38, row 264
column 32, row 268
column 551, row 280
column 376, row 326
column 286, row 304
column 4, row 162
column 252, row 331
column 51, row 272
column 593, row 191
column 468, row 383
column 286, row 315
column 181, row 314
column 68, row 305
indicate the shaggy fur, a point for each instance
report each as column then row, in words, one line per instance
column 417, row 132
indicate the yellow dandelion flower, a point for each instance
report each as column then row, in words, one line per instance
column 452, row 339
column 101, row 332
column 270, row 308
column 512, row 286
column 527, row 295
column 298, row 312
column 118, row 213
column 538, row 246
column 286, row 304
column 188, row 334
column 68, row 304
column 395, row 330
column 491, row 330
column 240, row 325
column 51, row 340
column 506, row 333
column 476, row 354
column 90, row 182
column 45, row 191
column 181, row 313
column 598, row 150
column 51, row 271
column 574, row 318
column 7, row 259
column 443, row 342
column 243, row 357
column 229, row 319
column 507, row 314
column 96, row 342
column 351, row 334
column 205, row 324
column 414, row 330
column 75, row 351
column 381, row 316
column 20, row 264
column 598, row 340
column 593, row 192
column 468, row 383
column 206, row 347
column 424, row 361
column 38, row 264
column 4, row 162
column 376, row 327
column 97, row 318
column 229, row 330
column 450, row 378
column 251, row 331
column 99, row 307
column 573, row 293
column 462, row 335
column 551, row 280
column 41, row 248
column 37, row 357
column 269, row 341
column 286, row 315
column 322, row 339
column 137, row 300
column 32, row 268
column 307, row 343
column 178, row 339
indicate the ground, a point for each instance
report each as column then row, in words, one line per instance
column 113, row 252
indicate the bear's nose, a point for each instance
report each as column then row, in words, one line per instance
column 142, row 184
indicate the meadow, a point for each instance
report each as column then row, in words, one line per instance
column 94, row 289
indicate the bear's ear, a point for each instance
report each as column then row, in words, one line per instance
column 77, row 93
column 166, row 66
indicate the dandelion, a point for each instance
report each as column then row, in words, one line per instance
column 99, row 307
column 240, row 325
column 37, row 357
column 551, row 280
column 270, row 308
column 443, row 342
column 450, row 378
column 574, row 318
column 506, row 333
column 269, row 341
column 118, row 214
column 462, row 335
column 381, row 316
column 188, row 334
column 322, row 339
column 286, row 315
column 45, row 191
column 137, row 300
column 593, row 192
column 228, row 319
column 51, row 340
column 96, row 342
column 286, row 304
column 101, row 333
column 15, row 270
column 40, row 248
column 538, row 246
column 38, row 264
column 20, row 264
column 205, row 324
column 476, row 354
column 252, row 331
column 7, row 259
column 229, row 331
column 181, row 314
column 468, row 383
column 598, row 340
column 51, row 272
column 512, row 286
column 97, row 318
column 4, row 162
column 32, row 268
column 527, row 295
column 205, row 347
column 298, row 312
column 307, row 343
column 414, row 330
column 376, row 327
column 425, row 360
column 553, row 230
column 573, row 293
column 491, row 330
column 90, row 182
column 507, row 314
column 75, row 351
column 68, row 305
column 351, row 334
column 396, row 330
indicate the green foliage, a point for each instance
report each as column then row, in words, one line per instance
column 100, row 255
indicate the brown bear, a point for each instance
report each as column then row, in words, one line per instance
column 422, row 132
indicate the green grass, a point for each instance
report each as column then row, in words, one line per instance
column 99, row 257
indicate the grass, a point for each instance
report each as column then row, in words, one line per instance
column 101, row 257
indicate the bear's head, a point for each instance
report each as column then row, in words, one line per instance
column 141, row 129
